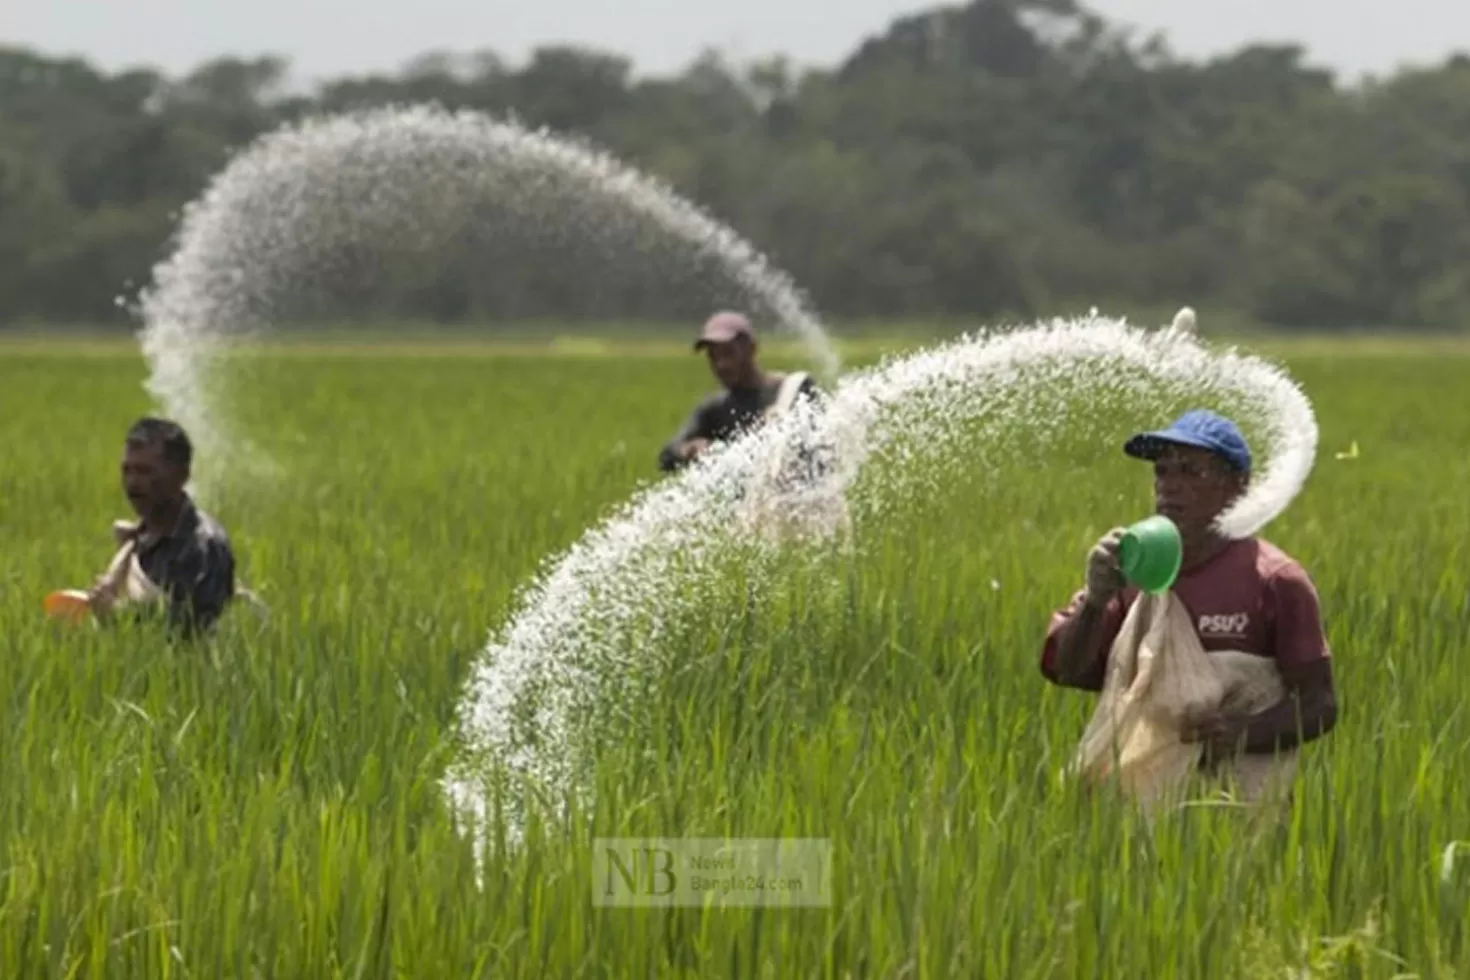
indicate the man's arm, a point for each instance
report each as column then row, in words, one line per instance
column 1079, row 637
column 672, row 456
column 1307, row 712
column 1309, row 709
column 1077, row 642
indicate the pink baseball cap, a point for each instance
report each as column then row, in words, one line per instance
column 722, row 328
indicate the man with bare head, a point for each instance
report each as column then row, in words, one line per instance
column 175, row 557
column 1242, row 594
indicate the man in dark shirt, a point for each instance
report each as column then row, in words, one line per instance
column 750, row 393
column 175, row 553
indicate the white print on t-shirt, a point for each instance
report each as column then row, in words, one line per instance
column 1232, row 625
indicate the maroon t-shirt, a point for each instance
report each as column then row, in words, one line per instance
column 1251, row 597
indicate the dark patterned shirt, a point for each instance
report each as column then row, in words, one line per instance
column 194, row 566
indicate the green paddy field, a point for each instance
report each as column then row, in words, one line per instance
column 269, row 806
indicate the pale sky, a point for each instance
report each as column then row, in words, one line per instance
column 332, row 37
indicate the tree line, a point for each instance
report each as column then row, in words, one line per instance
column 999, row 158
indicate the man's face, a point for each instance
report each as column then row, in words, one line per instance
column 729, row 361
column 1193, row 486
column 150, row 480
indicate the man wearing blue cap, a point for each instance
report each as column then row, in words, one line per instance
column 1243, row 594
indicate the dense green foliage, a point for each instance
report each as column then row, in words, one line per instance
column 270, row 806
column 1005, row 157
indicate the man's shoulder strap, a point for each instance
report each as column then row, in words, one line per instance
column 786, row 394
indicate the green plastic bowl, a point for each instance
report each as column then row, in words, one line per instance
column 1151, row 553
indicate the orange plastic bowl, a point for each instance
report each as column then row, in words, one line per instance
column 68, row 604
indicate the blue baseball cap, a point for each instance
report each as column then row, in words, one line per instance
column 1200, row 428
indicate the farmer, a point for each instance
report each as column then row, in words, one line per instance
column 175, row 557
column 750, row 393
column 1244, row 594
